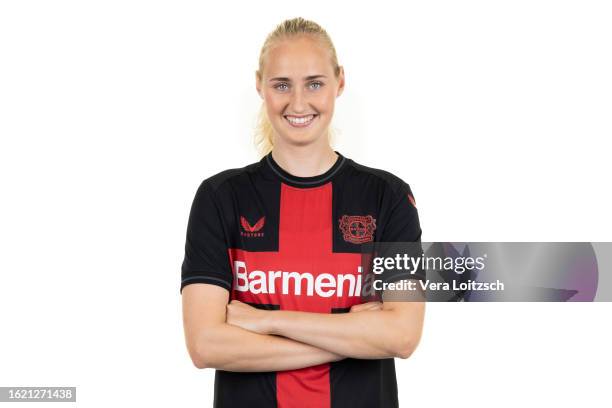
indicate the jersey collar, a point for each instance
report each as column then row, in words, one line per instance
column 305, row 182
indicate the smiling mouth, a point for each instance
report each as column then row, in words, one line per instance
column 300, row 121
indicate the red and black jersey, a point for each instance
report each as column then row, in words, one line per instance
column 277, row 241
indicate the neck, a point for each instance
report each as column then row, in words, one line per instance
column 304, row 161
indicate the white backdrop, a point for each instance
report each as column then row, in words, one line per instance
column 112, row 112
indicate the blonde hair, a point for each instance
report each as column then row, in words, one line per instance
column 292, row 28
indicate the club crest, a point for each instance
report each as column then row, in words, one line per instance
column 357, row 229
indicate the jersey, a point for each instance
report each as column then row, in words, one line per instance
column 281, row 242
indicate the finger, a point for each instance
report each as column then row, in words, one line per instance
column 366, row 306
column 356, row 308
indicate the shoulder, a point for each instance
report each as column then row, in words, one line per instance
column 221, row 180
column 388, row 180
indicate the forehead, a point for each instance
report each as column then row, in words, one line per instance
column 297, row 57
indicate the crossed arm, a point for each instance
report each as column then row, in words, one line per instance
column 238, row 337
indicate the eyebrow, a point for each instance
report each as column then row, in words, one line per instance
column 308, row 78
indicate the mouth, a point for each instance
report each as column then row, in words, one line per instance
column 300, row 121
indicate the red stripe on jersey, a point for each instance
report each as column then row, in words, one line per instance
column 305, row 234
column 305, row 245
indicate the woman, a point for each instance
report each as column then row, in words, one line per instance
column 273, row 252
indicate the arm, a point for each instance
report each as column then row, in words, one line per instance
column 393, row 331
column 213, row 343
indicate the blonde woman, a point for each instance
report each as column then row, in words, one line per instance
column 272, row 257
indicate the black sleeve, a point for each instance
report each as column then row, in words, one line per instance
column 402, row 226
column 206, row 252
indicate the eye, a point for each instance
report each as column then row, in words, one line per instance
column 281, row 86
column 315, row 85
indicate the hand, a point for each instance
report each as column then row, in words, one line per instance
column 246, row 316
column 366, row 306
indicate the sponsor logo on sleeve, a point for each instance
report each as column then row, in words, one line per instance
column 411, row 199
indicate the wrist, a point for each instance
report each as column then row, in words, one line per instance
column 269, row 319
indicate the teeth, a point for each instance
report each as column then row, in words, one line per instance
column 300, row 121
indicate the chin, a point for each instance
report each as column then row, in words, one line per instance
column 296, row 140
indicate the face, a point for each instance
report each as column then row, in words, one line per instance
column 299, row 89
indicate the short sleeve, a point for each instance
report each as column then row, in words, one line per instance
column 402, row 226
column 402, row 223
column 206, row 254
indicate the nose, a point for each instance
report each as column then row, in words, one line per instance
column 298, row 101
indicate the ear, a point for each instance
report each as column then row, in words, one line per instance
column 340, row 81
column 258, row 84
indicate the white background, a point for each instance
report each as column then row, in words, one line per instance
column 497, row 113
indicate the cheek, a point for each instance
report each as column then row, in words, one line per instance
column 275, row 104
column 325, row 106
column 325, row 102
